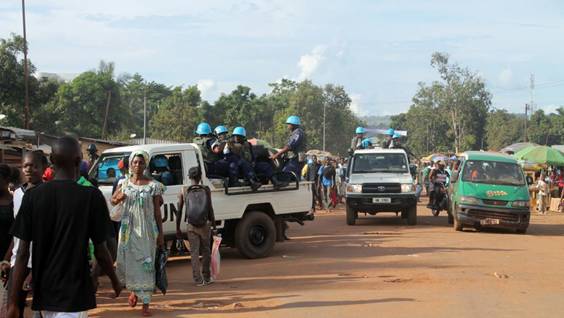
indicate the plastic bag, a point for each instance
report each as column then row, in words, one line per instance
column 116, row 213
column 215, row 257
column 161, row 281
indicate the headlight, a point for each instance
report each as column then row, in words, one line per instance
column 520, row 204
column 469, row 200
column 407, row 187
column 354, row 188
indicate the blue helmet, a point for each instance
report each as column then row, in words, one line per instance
column 239, row 131
column 203, row 129
column 293, row 120
column 396, row 135
column 220, row 130
column 310, row 161
column 366, row 143
column 390, row 132
column 360, row 130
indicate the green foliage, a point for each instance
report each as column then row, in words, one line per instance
column 450, row 114
column 503, row 129
column 177, row 115
column 547, row 129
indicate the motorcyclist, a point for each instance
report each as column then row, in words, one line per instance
column 438, row 178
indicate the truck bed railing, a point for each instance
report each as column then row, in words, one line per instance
column 292, row 186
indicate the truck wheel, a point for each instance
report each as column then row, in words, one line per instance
column 255, row 235
column 412, row 215
column 351, row 215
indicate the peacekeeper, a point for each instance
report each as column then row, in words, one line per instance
column 366, row 144
column 239, row 153
column 221, row 133
column 204, row 139
column 389, row 143
column 356, row 142
column 294, row 150
column 396, row 144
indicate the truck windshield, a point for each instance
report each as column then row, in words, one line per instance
column 106, row 170
column 493, row 172
column 380, row 162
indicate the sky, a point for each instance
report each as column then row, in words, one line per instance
column 378, row 50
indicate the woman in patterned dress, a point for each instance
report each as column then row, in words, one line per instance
column 141, row 230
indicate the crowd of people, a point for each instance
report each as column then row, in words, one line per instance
column 51, row 250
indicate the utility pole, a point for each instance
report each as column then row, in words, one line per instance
column 144, row 117
column 532, row 92
column 107, row 113
column 26, row 72
column 527, row 108
column 324, row 114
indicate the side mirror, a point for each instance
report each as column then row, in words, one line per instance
column 530, row 180
column 454, row 177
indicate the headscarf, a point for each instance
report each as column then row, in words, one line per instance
column 137, row 153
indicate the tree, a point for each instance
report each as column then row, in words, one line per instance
column 463, row 96
column 80, row 105
column 503, row 129
column 178, row 115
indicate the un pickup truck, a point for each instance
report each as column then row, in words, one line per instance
column 250, row 221
column 380, row 180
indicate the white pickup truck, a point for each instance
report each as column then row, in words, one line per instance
column 249, row 221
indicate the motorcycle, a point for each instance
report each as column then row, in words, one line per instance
column 441, row 199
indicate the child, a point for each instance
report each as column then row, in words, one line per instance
column 200, row 217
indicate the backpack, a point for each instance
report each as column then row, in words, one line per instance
column 197, row 205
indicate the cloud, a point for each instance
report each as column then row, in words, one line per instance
column 505, row 77
column 310, row 62
column 356, row 104
column 205, row 86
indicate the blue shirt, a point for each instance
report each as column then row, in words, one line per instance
column 325, row 181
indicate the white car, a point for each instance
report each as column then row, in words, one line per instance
column 249, row 221
column 380, row 180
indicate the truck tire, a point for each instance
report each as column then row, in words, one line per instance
column 351, row 215
column 412, row 215
column 255, row 235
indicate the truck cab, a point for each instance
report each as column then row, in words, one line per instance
column 489, row 190
column 250, row 221
column 380, row 180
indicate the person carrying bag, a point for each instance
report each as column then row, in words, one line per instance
column 200, row 219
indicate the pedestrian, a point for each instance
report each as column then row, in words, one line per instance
column 542, row 188
column 327, row 173
column 6, row 209
column 59, row 217
column 294, row 150
column 141, row 230
column 33, row 165
column 200, row 218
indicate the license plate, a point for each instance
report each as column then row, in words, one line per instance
column 489, row 222
column 381, row 200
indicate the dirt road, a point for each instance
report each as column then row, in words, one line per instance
column 378, row 268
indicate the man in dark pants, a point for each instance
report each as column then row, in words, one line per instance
column 294, row 148
column 59, row 217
